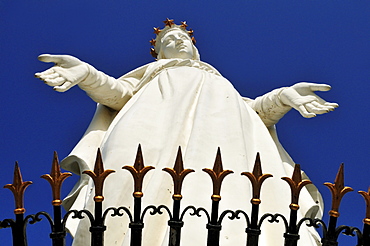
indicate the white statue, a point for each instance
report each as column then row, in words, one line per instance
column 180, row 101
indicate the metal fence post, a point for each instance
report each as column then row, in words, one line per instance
column 296, row 184
column 18, row 226
column 257, row 178
column 338, row 190
column 138, row 171
column 97, row 224
column 217, row 174
column 56, row 179
column 178, row 174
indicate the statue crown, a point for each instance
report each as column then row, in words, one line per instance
column 169, row 26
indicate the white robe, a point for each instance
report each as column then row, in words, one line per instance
column 187, row 103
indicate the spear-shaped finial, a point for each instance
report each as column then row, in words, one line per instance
column 18, row 187
column 98, row 175
column 296, row 184
column 256, row 179
column 178, row 174
column 56, row 178
column 366, row 196
column 217, row 174
column 138, row 172
column 338, row 190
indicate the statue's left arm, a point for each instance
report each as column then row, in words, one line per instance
column 272, row 106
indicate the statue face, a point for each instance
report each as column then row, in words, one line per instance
column 176, row 44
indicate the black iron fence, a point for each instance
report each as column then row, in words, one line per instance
column 254, row 221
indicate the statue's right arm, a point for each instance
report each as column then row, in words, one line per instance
column 69, row 71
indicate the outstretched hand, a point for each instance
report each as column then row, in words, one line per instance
column 67, row 71
column 301, row 97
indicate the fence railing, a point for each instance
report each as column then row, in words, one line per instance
column 254, row 221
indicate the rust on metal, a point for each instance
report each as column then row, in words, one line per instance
column 56, row 179
column 217, row 174
column 256, row 178
column 18, row 187
column 138, row 171
column 98, row 176
column 296, row 184
column 178, row 174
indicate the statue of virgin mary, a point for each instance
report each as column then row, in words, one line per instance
column 175, row 101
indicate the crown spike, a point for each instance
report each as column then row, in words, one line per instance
column 193, row 40
column 157, row 30
column 183, row 24
column 152, row 41
column 169, row 22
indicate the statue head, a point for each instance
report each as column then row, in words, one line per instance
column 174, row 41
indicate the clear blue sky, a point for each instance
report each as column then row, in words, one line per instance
column 257, row 45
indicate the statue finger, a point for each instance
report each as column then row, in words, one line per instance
column 317, row 109
column 46, row 72
column 51, row 58
column 323, row 106
column 50, row 76
column 319, row 87
column 64, row 87
column 335, row 105
column 303, row 111
column 60, row 60
column 55, row 82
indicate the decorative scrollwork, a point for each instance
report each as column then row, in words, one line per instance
column 7, row 223
column 117, row 212
column 232, row 216
column 349, row 231
column 77, row 215
column 238, row 212
column 155, row 210
column 37, row 218
column 317, row 223
column 196, row 211
column 32, row 219
column 274, row 218
column 310, row 224
column 80, row 213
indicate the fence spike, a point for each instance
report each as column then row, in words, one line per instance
column 296, row 184
column 98, row 175
column 217, row 174
column 56, row 178
column 138, row 171
column 366, row 196
column 256, row 178
column 338, row 190
column 18, row 187
column 178, row 174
